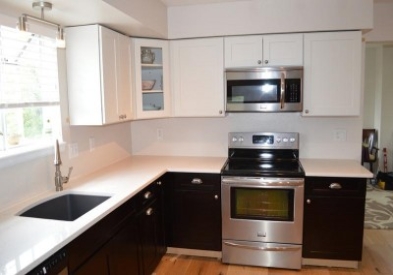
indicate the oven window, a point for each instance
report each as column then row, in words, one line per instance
column 253, row 91
column 262, row 204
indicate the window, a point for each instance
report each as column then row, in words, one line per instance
column 29, row 91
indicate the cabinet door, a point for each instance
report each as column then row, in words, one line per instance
column 333, row 228
column 151, row 67
column 195, row 211
column 334, row 218
column 151, row 237
column 332, row 74
column 283, row 50
column 98, row 72
column 122, row 250
column 197, row 77
column 243, row 51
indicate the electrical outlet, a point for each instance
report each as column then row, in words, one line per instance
column 160, row 134
column 340, row 135
column 73, row 150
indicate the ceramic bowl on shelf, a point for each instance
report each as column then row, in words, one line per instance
column 148, row 84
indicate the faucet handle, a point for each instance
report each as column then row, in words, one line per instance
column 66, row 179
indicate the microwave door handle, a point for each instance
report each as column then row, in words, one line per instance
column 282, row 94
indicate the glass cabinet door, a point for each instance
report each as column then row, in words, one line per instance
column 151, row 78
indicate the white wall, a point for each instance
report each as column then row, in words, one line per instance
column 208, row 136
column 268, row 16
column 383, row 22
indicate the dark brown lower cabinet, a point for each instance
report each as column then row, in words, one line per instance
column 334, row 218
column 194, row 211
column 130, row 240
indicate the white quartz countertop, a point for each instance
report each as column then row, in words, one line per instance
column 26, row 242
column 334, row 168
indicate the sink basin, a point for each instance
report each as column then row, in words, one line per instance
column 67, row 207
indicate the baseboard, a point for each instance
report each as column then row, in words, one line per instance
column 195, row 252
column 330, row 263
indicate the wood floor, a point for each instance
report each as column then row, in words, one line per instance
column 377, row 260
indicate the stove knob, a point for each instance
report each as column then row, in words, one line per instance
column 278, row 140
column 292, row 140
column 234, row 139
column 285, row 139
column 241, row 139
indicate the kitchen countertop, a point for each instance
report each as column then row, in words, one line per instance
column 334, row 168
column 26, row 242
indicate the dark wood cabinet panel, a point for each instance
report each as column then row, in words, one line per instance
column 333, row 218
column 194, row 203
column 122, row 250
column 130, row 240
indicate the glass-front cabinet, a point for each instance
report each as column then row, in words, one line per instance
column 151, row 75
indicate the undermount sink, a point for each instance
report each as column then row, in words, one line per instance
column 67, row 207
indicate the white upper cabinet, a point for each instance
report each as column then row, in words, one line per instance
column 99, row 76
column 151, row 71
column 197, row 69
column 264, row 50
column 332, row 74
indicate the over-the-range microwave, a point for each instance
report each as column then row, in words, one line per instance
column 265, row 89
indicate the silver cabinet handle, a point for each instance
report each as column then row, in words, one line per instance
column 196, row 181
column 220, row 112
column 159, row 183
column 335, row 185
column 308, row 201
column 216, row 197
column 306, row 111
column 147, row 195
column 266, row 61
column 259, row 61
column 149, row 211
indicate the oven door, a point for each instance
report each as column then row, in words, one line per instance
column 262, row 209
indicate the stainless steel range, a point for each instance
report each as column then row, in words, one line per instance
column 262, row 200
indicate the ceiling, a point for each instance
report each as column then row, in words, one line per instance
column 83, row 12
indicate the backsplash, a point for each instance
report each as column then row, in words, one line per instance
column 208, row 136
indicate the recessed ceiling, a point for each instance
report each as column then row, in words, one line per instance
column 170, row 3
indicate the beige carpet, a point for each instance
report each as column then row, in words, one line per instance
column 379, row 208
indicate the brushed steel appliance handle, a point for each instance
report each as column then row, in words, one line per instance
column 276, row 248
column 282, row 98
column 335, row 185
column 284, row 182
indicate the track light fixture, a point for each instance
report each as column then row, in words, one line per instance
column 22, row 23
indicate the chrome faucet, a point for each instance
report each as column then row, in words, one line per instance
column 59, row 179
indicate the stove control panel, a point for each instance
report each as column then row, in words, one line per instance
column 265, row 140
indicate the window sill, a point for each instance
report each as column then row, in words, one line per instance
column 23, row 154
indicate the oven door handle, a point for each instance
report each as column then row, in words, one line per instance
column 276, row 248
column 261, row 182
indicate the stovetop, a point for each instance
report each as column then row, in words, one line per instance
column 263, row 155
column 265, row 168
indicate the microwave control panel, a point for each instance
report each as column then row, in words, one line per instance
column 293, row 90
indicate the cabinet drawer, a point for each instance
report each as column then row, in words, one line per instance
column 196, row 181
column 148, row 194
column 335, row 186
